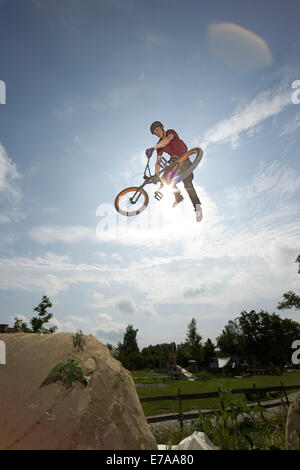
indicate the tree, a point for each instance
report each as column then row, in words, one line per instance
column 130, row 345
column 209, row 351
column 260, row 339
column 156, row 356
column 128, row 352
column 231, row 340
column 37, row 322
column 20, row 326
column 112, row 350
column 290, row 298
column 42, row 317
column 193, row 341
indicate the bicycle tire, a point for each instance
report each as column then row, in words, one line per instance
column 123, row 194
column 196, row 162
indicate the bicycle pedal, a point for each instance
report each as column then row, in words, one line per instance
column 158, row 195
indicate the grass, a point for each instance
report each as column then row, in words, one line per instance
column 210, row 384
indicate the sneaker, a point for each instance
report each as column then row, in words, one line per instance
column 199, row 215
column 178, row 199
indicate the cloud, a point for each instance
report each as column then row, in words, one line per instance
column 10, row 193
column 8, row 175
column 64, row 234
column 238, row 47
column 266, row 104
column 126, row 306
column 107, row 330
column 275, row 180
column 292, row 125
column 194, row 292
column 79, row 319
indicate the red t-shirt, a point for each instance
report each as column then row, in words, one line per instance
column 176, row 147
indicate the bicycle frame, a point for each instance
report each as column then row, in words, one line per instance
column 166, row 166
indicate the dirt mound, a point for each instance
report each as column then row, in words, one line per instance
column 104, row 414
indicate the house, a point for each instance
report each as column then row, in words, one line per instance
column 6, row 329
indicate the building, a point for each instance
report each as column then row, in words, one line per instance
column 6, row 329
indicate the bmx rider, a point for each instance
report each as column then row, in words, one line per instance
column 170, row 143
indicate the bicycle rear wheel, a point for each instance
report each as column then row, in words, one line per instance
column 131, row 201
column 186, row 165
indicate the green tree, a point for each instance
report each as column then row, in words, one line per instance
column 43, row 317
column 112, row 349
column 38, row 322
column 290, row 298
column 259, row 338
column 209, row 351
column 20, row 326
column 130, row 345
column 156, row 356
column 231, row 340
column 193, row 341
column 128, row 352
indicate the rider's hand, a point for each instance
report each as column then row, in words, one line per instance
column 149, row 152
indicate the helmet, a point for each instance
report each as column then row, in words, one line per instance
column 154, row 125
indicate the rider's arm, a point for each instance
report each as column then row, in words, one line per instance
column 157, row 167
column 163, row 142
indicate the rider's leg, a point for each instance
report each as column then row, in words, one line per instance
column 177, row 194
column 189, row 187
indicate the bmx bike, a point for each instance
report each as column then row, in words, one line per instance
column 133, row 200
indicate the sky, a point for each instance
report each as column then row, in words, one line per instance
column 81, row 81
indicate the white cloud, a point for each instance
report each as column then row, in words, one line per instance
column 278, row 179
column 266, row 104
column 8, row 175
column 107, row 330
column 65, row 234
column 292, row 125
column 79, row 319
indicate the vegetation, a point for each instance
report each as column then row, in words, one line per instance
column 259, row 339
column 240, row 429
column 37, row 322
column 78, row 341
column 69, row 373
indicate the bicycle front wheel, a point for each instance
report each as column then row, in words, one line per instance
column 131, row 201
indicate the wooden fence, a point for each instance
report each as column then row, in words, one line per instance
column 181, row 416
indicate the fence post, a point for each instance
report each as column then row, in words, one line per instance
column 221, row 401
column 222, row 405
column 180, row 409
column 258, row 401
column 286, row 397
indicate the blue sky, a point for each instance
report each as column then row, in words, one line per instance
column 84, row 80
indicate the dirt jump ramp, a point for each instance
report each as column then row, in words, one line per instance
column 36, row 413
